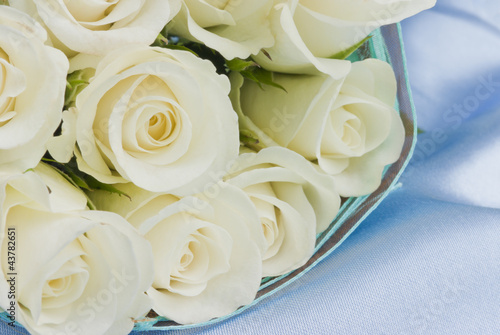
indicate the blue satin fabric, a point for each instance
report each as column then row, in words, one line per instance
column 427, row 260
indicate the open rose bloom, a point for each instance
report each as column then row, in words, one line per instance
column 169, row 162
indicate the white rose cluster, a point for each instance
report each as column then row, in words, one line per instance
column 163, row 157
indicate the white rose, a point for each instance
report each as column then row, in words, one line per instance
column 306, row 29
column 159, row 118
column 349, row 127
column 235, row 28
column 32, row 85
column 75, row 271
column 294, row 202
column 97, row 27
column 207, row 248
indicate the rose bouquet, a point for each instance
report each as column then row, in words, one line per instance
column 168, row 162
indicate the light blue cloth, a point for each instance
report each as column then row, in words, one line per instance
column 427, row 261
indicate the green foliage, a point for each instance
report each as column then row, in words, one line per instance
column 172, row 43
column 81, row 180
column 95, row 184
column 250, row 140
column 347, row 52
column 261, row 77
column 252, row 71
column 239, row 65
column 246, row 67
column 75, row 83
column 169, row 41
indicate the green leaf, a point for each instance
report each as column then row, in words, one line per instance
column 250, row 140
column 420, row 131
column 69, row 173
column 90, row 204
column 238, row 65
column 97, row 185
column 347, row 52
column 251, row 70
column 172, row 42
column 248, row 137
column 261, row 76
column 68, row 176
column 160, row 41
column 80, row 182
column 75, row 83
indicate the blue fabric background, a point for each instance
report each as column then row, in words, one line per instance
column 427, row 261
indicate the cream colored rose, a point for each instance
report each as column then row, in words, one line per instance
column 235, row 28
column 207, row 248
column 159, row 118
column 348, row 127
column 293, row 200
column 74, row 271
column 99, row 26
column 32, row 84
column 306, row 29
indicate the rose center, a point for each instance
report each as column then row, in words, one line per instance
column 345, row 135
column 66, row 284
column 161, row 126
column 351, row 136
column 57, row 286
column 102, row 14
column 270, row 217
column 93, row 14
column 188, row 256
column 190, row 253
column 270, row 229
